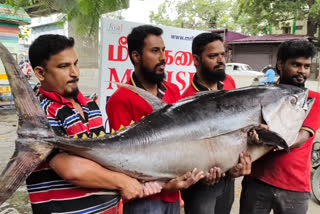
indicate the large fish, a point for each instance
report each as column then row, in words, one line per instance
column 209, row 129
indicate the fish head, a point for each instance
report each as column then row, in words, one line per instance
column 284, row 108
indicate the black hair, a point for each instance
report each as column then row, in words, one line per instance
column 200, row 42
column 137, row 36
column 47, row 45
column 292, row 49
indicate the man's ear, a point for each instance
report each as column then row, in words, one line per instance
column 279, row 66
column 136, row 57
column 39, row 72
column 196, row 60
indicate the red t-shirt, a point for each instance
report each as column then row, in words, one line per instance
column 291, row 171
column 195, row 86
column 125, row 106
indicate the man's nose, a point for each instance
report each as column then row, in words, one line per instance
column 162, row 56
column 74, row 71
column 221, row 58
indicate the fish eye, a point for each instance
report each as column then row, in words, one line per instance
column 293, row 100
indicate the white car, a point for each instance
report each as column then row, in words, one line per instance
column 241, row 70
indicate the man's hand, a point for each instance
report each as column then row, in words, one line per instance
column 213, row 176
column 151, row 188
column 242, row 168
column 184, row 181
column 253, row 137
column 131, row 188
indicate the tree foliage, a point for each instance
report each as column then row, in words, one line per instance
column 196, row 14
column 86, row 13
column 257, row 15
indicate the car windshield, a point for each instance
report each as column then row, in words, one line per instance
column 247, row 68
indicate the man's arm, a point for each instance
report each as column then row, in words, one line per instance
column 184, row 181
column 88, row 174
column 301, row 139
column 311, row 124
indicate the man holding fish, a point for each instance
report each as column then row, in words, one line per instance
column 146, row 51
column 280, row 181
column 64, row 182
column 216, row 195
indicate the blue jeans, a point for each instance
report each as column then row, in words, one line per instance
column 147, row 206
column 259, row 197
column 203, row 199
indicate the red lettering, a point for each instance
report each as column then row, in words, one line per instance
column 190, row 58
column 111, row 52
column 169, row 58
column 115, row 78
column 180, row 80
column 191, row 75
column 123, row 41
column 170, row 76
column 181, row 58
column 123, row 52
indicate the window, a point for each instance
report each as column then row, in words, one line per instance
column 286, row 30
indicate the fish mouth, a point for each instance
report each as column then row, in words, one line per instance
column 303, row 101
column 308, row 104
column 307, row 101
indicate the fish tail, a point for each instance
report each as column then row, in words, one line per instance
column 26, row 157
column 33, row 129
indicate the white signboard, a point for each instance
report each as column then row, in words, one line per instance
column 115, row 64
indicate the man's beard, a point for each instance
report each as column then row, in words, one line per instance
column 291, row 81
column 72, row 94
column 213, row 75
column 151, row 75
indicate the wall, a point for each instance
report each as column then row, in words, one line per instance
column 303, row 31
column 255, row 55
column 9, row 37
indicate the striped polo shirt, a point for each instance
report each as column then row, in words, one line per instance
column 48, row 192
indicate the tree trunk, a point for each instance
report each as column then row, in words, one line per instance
column 311, row 25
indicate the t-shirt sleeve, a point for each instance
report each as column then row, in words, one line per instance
column 117, row 109
column 312, row 122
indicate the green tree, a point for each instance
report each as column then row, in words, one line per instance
column 257, row 15
column 196, row 14
column 86, row 13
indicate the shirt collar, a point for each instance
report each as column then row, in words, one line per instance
column 199, row 87
column 60, row 99
column 161, row 87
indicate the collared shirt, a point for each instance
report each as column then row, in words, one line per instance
column 125, row 106
column 48, row 192
column 196, row 86
column 161, row 87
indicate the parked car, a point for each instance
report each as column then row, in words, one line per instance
column 241, row 70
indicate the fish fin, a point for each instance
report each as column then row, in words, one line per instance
column 25, row 159
column 32, row 119
column 270, row 138
column 154, row 101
